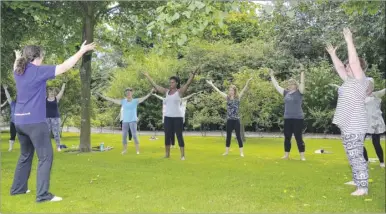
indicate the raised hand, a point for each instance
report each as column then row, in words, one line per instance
column 270, row 72
column 209, row 82
column 89, row 47
column 17, row 54
column 331, row 49
column 347, row 34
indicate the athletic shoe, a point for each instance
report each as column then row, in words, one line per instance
column 382, row 165
column 359, row 192
column 56, row 198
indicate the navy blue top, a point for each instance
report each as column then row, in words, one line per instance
column 52, row 109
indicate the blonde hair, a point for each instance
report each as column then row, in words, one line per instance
column 236, row 95
column 293, row 82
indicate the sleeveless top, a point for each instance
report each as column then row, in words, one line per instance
column 350, row 114
column 233, row 109
column 293, row 105
column 173, row 105
column 52, row 108
column 376, row 124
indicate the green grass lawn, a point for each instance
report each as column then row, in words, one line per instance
column 205, row 182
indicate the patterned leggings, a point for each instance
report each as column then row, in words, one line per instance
column 54, row 127
column 353, row 145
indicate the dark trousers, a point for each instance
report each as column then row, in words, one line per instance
column 233, row 125
column 293, row 126
column 34, row 137
column 174, row 126
column 12, row 128
column 376, row 138
column 130, row 134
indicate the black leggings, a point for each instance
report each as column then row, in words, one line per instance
column 293, row 126
column 12, row 128
column 130, row 135
column 174, row 126
column 376, row 138
column 233, row 125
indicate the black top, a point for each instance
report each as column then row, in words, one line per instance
column 52, row 109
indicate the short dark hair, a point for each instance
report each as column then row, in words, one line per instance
column 175, row 78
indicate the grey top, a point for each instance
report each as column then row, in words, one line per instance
column 233, row 109
column 293, row 105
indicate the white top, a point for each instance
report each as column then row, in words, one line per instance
column 173, row 105
column 376, row 124
column 350, row 114
column 183, row 107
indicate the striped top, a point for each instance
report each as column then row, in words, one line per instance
column 350, row 114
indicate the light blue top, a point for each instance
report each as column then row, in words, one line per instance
column 129, row 110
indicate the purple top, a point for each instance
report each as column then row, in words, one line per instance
column 13, row 105
column 31, row 93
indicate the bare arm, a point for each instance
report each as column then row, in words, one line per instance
column 302, row 85
column 142, row 99
column 215, row 88
column 70, row 62
column 110, row 99
column 184, row 88
column 157, row 87
column 9, row 99
column 60, row 95
column 353, row 59
column 339, row 66
column 245, row 88
column 5, row 103
column 189, row 96
column 276, row 84
column 380, row 93
column 334, row 85
column 159, row 97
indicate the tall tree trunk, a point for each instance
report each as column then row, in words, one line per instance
column 85, row 76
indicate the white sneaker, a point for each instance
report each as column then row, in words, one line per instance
column 137, row 153
column 183, row 158
column 226, row 153
column 56, row 198
column 123, row 152
column 303, row 159
column 352, row 183
column 10, row 145
column 359, row 192
column 59, row 149
column 382, row 165
column 242, row 154
column 28, row 191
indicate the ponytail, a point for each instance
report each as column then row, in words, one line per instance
column 30, row 53
column 20, row 65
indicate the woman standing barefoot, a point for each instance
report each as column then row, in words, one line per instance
column 173, row 120
column 233, row 117
column 53, row 116
column 350, row 115
column 129, row 105
column 293, row 114
column 376, row 124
